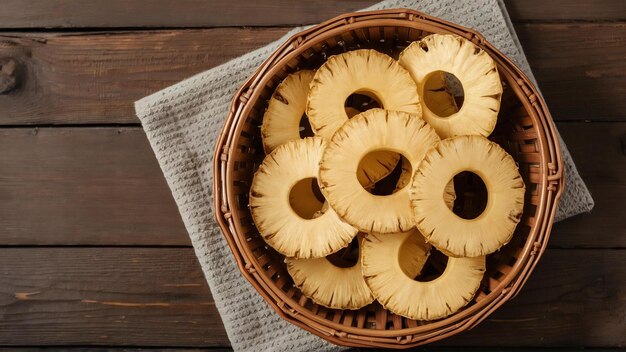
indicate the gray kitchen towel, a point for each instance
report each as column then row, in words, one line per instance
column 183, row 122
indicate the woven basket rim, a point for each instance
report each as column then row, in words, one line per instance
column 553, row 178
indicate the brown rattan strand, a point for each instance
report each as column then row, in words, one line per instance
column 525, row 129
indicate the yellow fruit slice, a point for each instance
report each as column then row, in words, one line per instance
column 449, row 232
column 276, row 219
column 473, row 67
column 382, row 260
column 373, row 130
column 330, row 285
column 365, row 71
column 282, row 124
column 286, row 107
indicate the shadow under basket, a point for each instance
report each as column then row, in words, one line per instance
column 525, row 130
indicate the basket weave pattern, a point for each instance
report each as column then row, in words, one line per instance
column 525, row 130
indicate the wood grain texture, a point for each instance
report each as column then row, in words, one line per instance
column 599, row 151
column 228, row 349
column 106, row 296
column 580, row 68
column 566, row 10
column 569, row 301
column 84, row 186
column 158, row 297
column 215, row 13
column 103, row 186
column 95, row 77
column 128, row 349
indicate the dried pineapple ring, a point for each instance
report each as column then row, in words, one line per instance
column 344, row 287
column 277, row 221
column 477, row 73
column 363, row 71
column 330, row 285
column 397, row 290
column 370, row 131
column 447, row 231
column 281, row 124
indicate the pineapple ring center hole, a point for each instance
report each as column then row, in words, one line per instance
column 443, row 93
column 306, row 199
column 433, row 268
column 361, row 101
column 471, row 195
column 396, row 178
column 346, row 257
column 305, row 128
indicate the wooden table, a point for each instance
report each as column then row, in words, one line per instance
column 92, row 248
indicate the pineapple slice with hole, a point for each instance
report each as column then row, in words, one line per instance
column 285, row 227
column 282, row 121
column 338, row 283
column 370, row 131
column 449, row 232
column 285, row 121
column 477, row 73
column 366, row 72
column 383, row 258
column 335, row 282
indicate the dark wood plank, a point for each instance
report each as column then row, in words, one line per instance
column 129, row 349
column 225, row 349
column 569, row 301
column 157, row 297
column 566, row 10
column 95, row 78
column 106, row 296
column 103, row 186
column 581, row 68
column 599, row 150
column 193, row 13
column 84, row 186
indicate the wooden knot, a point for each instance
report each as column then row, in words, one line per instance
column 8, row 75
column 350, row 20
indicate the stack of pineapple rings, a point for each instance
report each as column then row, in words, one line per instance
column 312, row 196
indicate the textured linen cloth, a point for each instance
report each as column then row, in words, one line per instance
column 183, row 122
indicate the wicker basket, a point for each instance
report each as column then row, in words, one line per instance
column 525, row 129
